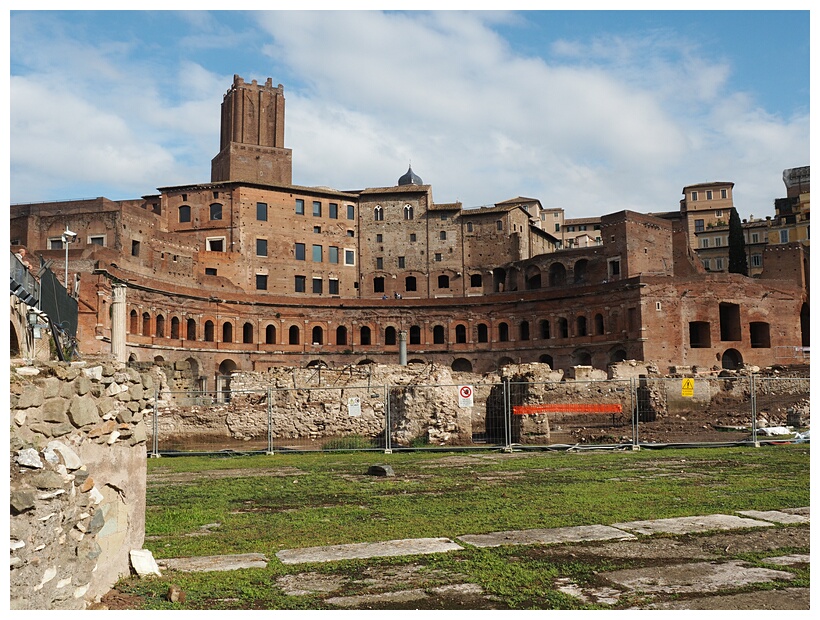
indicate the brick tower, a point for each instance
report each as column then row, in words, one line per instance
column 252, row 140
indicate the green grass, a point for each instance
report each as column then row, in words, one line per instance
column 283, row 501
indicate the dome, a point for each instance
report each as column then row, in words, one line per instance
column 410, row 178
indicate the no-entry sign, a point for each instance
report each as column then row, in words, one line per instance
column 465, row 395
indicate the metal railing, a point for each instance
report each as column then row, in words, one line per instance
column 622, row 413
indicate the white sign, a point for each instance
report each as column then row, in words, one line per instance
column 465, row 396
column 354, row 406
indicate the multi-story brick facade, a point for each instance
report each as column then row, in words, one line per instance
column 249, row 271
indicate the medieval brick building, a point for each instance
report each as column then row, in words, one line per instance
column 250, row 271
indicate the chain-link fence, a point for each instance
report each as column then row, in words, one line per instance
column 645, row 411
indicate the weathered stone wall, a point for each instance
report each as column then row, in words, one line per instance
column 77, row 480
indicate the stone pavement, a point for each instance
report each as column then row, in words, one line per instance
column 421, row 546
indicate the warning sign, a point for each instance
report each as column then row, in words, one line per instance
column 465, row 396
column 354, row 406
column 687, row 387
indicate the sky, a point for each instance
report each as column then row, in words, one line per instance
column 592, row 111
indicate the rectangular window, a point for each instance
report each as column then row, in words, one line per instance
column 97, row 240
column 350, row 257
column 379, row 238
column 380, row 263
column 698, row 225
column 300, row 206
column 704, row 243
column 261, row 282
column 755, row 238
column 708, row 194
column 412, row 237
column 300, row 251
column 333, row 211
column 333, row 254
column 499, row 225
column 718, row 213
column 261, row 212
column 317, row 208
column 694, row 195
column 317, row 230
column 317, row 286
column 401, row 262
column 350, row 233
column 757, row 260
column 614, row 267
column 351, row 212
column 210, row 271
column 443, row 235
column 261, row 247
column 719, row 264
column 215, row 244
column 724, row 194
column 718, row 242
column 438, row 257
column 317, row 253
column 784, row 236
column 299, row 284
column 333, row 286
column 469, row 227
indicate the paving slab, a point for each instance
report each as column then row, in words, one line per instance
column 788, row 560
column 776, row 516
column 389, row 548
column 693, row 577
column 803, row 510
column 209, row 563
column 405, row 596
column 580, row 533
column 690, row 525
column 786, row 599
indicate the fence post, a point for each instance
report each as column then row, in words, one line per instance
column 635, row 414
column 270, row 421
column 753, row 394
column 387, row 447
column 507, row 416
column 155, row 426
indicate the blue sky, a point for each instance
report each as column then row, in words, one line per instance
column 591, row 111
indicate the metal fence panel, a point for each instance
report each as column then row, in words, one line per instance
column 572, row 413
column 694, row 410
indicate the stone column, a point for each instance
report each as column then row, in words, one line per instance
column 403, row 348
column 118, row 322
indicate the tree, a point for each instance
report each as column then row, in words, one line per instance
column 737, row 246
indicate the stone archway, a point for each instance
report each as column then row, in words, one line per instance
column 731, row 359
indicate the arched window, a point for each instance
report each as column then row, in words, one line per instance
column 444, row 281
column 544, row 329
column 557, row 274
column 563, row 328
column 293, row 335
column 270, row 334
column 341, row 335
column 438, row 334
column 415, row 334
column 247, row 333
column 524, row 330
column 227, row 332
column 599, row 324
column 581, row 325
column 175, row 327
column 503, row 332
column 190, row 329
column 461, row 334
column 482, row 332
column 364, row 335
column 378, row 213
column 209, row 331
column 410, row 283
column 216, row 211
column 133, row 323
column 159, row 328
column 184, row 214
column 408, row 212
column 390, row 335
column 146, row 324
column 318, row 335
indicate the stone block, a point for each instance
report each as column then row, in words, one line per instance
column 31, row 396
column 54, row 410
column 83, row 411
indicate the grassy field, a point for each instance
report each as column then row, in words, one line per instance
column 241, row 504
